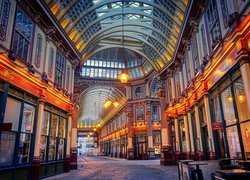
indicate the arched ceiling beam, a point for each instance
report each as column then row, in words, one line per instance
column 106, row 2
column 138, row 31
column 126, row 23
column 154, row 65
column 138, row 38
column 133, row 36
column 78, row 35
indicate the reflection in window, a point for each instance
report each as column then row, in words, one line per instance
column 28, row 118
column 12, row 113
column 228, row 109
column 216, row 106
column 245, row 132
column 241, row 102
column 44, row 136
column 233, row 142
column 22, row 35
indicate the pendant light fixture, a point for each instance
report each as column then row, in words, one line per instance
column 124, row 76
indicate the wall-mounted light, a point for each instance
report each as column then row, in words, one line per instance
column 241, row 98
column 230, row 99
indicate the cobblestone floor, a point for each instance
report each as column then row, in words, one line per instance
column 107, row 168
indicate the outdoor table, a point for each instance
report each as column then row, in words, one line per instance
column 234, row 173
column 245, row 163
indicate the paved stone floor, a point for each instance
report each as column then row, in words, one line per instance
column 105, row 168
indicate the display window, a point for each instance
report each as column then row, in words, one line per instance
column 17, row 141
column 231, row 106
column 54, row 126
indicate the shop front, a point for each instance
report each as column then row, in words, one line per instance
column 230, row 109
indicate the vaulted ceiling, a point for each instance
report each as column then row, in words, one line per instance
column 150, row 28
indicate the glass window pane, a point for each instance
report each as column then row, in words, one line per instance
column 62, row 127
column 52, row 148
column 228, row 109
column 241, row 102
column 60, row 154
column 217, row 111
column 24, row 148
column 245, row 132
column 45, row 124
column 12, row 113
column 43, row 148
column 233, row 142
column 7, row 147
column 54, row 125
column 28, row 118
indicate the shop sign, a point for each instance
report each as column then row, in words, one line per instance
column 7, row 146
column 216, row 126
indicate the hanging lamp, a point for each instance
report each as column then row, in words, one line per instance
column 124, row 76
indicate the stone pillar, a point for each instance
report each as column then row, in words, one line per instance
column 191, row 62
column 184, row 71
column 191, row 135
column 185, row 119
column 130, row 151
column 209, row 127
column 73, row 147
column 36, row 159
column 173, row 87
column 68, row 136
column 245, row 74
column 181, row 80
column 177, row 139
column 198, row 131
column 150, row 149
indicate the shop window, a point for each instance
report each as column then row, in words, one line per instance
column 22, row 129
column 22, row 36
column 53, row 136
column 214, row 22
column 228, row 109
column 4, row 18
column 245, row 133
column 38, row 50
column 216, row 108
column 157, row 142
column 183, row 136
column 241, row 101
column 139, row 113
column 233, row 142
column 59, row 70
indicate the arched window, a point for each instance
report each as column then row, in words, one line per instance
column 51, row 62
column 4, row 18
column 38, row 50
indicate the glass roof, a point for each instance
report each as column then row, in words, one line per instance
column 108, row 63
column 151, row 27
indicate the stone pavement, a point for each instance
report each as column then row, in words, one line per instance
column 107, row 168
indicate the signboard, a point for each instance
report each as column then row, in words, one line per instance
column 7, row 146
column 216, row 126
